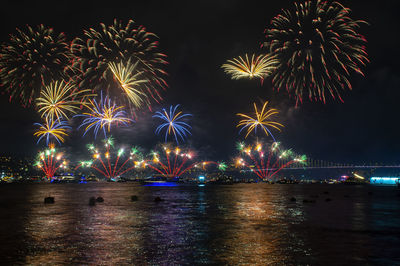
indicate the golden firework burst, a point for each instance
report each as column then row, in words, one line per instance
column 256, row 67
column 60, row 98
column 261, row 119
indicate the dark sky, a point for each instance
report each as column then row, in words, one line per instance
column 198, row 36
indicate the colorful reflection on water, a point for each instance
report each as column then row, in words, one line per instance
column 211, row 224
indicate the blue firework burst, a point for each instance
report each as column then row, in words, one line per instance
column 102, row 115
column 173, row 123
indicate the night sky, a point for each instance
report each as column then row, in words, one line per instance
column 198, row 37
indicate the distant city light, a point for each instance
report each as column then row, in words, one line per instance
column 385, row 180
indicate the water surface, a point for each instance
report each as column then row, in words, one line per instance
column 213, row 224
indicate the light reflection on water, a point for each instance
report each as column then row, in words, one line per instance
column 212, row 224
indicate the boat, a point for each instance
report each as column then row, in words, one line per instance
column 160, row 180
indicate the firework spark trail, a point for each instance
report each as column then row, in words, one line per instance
column 114, row 165
column 220, row 165
column 102, row 115
column 317, row 46
column 130, row 80
column 257, row 67
column 30, row 59
column 171, row 167
column 278, row 159
column 48, row 164
column 100, row 47
column 173, row 124
column 59, row 98
column 52, row 129
column 261, row 119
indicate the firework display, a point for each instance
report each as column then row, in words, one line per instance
column 117, row 43
column 171, row 161
column 111, row 162
column 52, row 129
column 49, row 161
column 173, row 123
column 261, row 119
column 130, row 81
column 318, row 46
column 102, row 115
column 266, row 160
column 30, row 60
column 60, row 98
column 113, row 71
column 221, row 166
column 257, row 67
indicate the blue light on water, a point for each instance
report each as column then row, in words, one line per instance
column 161, row 184
column 392, row 181
column 201, row 185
